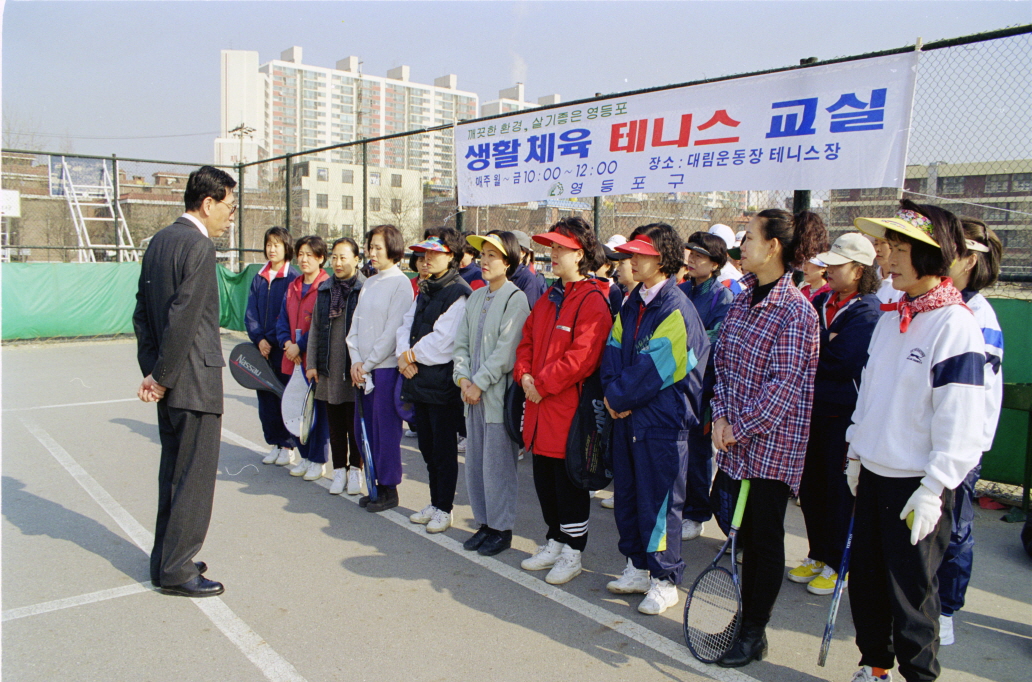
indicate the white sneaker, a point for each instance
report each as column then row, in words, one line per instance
column 439, row 522
column 690, row 529
column 354, row 481
column 273, row 455
column 315, row 471
column 864, row 674
column 662, row 595
column 300, row 468
column 633, row 581
column 409, row 433
column 462, row 444
column 545, row 556
column 286, row 455
column 592, row 493
column 946, row 630
column 423, row 517
column 608, row 502
column 339, row 479
column 566, row 568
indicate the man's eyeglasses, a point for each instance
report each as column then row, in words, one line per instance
column 232, row 207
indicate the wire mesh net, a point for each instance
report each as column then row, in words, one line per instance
column 711, row 615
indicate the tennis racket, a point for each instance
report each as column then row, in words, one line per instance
column 307, row 414
column 251, row 370
column 367, row 455
column 836, row 599
column 713, row 611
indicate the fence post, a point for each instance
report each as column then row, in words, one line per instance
column 114, row 208
column 240, row 217
column 286, row 185
column 596, row 210
column 801, row 197
column 365, row 192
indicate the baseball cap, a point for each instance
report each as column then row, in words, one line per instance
column 852, row 246
column 477, row 242
column 698, row 248
column 523, row 238
column 431, row 244
column 725, row 233
column 610, row 246
column 739, row 236
column 549, row 238
column 640, row 244
column 910, row 223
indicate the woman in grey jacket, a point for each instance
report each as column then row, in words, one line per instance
column 485, row 352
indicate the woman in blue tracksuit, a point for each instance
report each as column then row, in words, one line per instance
column 652, row 372
column 705, row 257
column 268, row 291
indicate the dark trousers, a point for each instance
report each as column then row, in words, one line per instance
column 317, row 448
column 823, row 493
column 270, row 414
column 343, row 444
column 186, row 489
column 700, row 474
column 648, row 475
column 564, row 506
column 762, row 539
column 955, row 572
column 893, row 589
column 437, row 431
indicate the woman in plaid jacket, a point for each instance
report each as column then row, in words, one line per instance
column 765, row 362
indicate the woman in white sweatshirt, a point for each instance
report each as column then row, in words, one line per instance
column 917, row 431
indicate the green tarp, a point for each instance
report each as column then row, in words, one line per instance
column 233, row 291
column 1006, row 461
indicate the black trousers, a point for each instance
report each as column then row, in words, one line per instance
column 893, row 588
column 823, row 493
column 564, row 506
column 437, row 432
column 343, row 444
column 762, row 540
column 186, row 489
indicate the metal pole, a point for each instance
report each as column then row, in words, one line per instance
column 801, row 197
column 596, row 211
column 240, row 216
column 114, row 208
column 365, row 192
column 286, row 185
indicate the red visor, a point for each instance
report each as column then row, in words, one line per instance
column 549, row 238
column 640, row 244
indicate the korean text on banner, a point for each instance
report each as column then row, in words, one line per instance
column 823, row 127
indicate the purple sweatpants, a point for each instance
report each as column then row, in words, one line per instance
column 382, row 426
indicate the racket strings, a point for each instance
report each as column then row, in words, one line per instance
column 712, row 615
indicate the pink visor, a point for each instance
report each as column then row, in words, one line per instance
column 549, row 238
column 640, row 244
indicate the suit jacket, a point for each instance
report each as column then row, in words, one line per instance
column 177, row 318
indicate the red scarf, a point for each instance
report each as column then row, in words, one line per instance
column 940, row 296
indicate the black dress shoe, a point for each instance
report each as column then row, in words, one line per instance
column 473, row 542
column 198, row 587
column 363, row 501
column 387, row 499
column 202, row 567
column 498, row 541
column 751, row 646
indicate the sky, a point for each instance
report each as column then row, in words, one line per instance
column 141, row 79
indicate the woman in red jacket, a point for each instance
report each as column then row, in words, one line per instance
column 562, row 346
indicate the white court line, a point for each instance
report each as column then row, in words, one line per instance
column 273, row 666
column 91, row 598
column 621, row 624
column 49, row 407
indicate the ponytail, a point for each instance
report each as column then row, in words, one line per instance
column 802, row 236
column 987, row 267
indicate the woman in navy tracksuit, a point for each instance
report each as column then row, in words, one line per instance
column 848, row 313
column 268, row 291
column 652, row 372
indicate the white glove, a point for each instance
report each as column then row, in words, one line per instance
column 852, row 474
column 927, row 508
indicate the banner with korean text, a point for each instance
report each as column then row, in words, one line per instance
column 825, row 127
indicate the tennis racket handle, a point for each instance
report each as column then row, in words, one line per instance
column 743, row 494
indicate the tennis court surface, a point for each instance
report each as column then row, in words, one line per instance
column 318, row 589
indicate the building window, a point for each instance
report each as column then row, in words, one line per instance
column 374, row 205
column 322, row 200
column 322, row 229
column 304, row 199
column 348, row 177
column 347, row 203
column 374, row 178
column 322, row 174
column 347, row 230
column 396, row 206
column 994, row 184
column 840, row 193
column 1021, row 182
column 951, row 185
column 869, row 192
column 395, row 179
column 996, row 215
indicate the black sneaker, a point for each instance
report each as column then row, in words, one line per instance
column 473, row 542
column 387, row 499
column 498, row 541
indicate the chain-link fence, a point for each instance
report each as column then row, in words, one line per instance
column 970, row 151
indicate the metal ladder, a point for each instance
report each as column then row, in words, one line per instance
column 96, row 196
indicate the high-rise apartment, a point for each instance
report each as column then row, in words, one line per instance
column 294, row 107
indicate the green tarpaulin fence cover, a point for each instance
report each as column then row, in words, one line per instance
column 46, row 300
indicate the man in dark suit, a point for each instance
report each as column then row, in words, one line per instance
column 180, row 355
